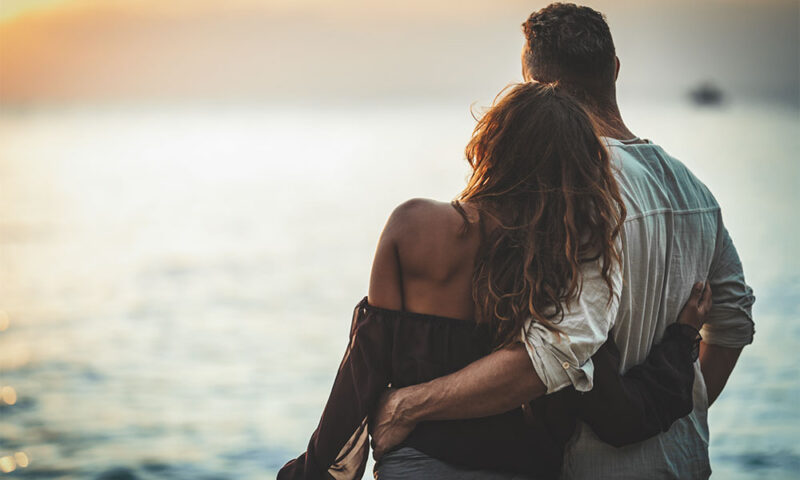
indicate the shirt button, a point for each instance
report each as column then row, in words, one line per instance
column 565, row 365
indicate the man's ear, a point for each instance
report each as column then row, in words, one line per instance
column 616, row 73
column 525, row 77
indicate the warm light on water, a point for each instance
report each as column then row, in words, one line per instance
column 22, row 459
column 15, row 356
column 7, row 464
column 8, row 395
column 191, row 193
column 182, row 281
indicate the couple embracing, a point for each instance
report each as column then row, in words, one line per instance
column 572, row 314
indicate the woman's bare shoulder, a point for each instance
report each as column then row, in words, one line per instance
column 431, row 237
column 399, row 248
column 423, row 216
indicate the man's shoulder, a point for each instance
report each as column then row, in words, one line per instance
column 643, row 158
column 651, row 178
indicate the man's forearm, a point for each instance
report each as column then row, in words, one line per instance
column 492, row 385
column 717, row 364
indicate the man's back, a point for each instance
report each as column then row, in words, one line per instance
column 673, row 236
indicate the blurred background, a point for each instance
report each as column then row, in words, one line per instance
column 191, row 192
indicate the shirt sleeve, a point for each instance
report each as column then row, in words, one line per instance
column 730, row 322
column 339, row 447
column 565, row 359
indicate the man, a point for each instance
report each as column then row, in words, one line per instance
column 672, row 237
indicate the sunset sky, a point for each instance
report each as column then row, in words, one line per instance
column 73, row 51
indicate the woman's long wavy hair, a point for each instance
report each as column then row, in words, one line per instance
column 543, row 176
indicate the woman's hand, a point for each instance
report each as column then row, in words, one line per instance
column 696, row 310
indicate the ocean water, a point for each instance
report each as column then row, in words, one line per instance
column 176, row 284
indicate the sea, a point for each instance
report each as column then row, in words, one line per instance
column 177, row 282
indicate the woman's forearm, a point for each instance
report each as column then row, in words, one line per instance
column 649, row 397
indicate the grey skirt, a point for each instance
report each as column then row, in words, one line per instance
column 407, row 463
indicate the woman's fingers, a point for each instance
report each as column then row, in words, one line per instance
column 706, row 302
column 694, row 311
column 696, row 296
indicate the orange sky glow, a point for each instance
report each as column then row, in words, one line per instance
column 101, row 50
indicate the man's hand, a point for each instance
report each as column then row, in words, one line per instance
column 389, row 424
column 468, row 393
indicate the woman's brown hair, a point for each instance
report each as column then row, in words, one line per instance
column 544, row 178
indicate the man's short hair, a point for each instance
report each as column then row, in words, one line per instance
column 572, row 45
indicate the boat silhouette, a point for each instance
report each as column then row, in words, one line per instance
column 707, row 94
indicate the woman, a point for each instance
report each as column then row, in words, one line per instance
column 452, row 282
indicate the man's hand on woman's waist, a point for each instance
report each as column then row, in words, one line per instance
column 472, row 392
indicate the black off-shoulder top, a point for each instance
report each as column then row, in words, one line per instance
column 403, row 348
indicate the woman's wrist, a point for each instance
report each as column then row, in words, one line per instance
column 688, row 334
column 689, row 331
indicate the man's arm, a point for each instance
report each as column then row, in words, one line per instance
column 473, row 391
column 730, row 324
column 717, row 364
column 621, row 409
column 468, row 393
column 509, row 377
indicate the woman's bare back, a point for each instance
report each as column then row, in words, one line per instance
column 425, row 260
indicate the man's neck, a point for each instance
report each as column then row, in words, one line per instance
column 609, row 122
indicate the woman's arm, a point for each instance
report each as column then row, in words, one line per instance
column 385, row 281
column 339, row 447
column 649, row 397
column 622, row 409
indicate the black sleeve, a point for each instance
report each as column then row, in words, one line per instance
column 339, row 447
column 648, row 398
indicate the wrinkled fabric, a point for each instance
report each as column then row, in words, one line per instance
column 403, row 348
column 565, row 360
column 673, row 236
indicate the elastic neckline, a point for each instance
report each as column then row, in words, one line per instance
column 364, row 304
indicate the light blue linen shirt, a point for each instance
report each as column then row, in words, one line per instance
column 673, row 236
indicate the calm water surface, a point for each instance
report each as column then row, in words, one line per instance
column 176, row 285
